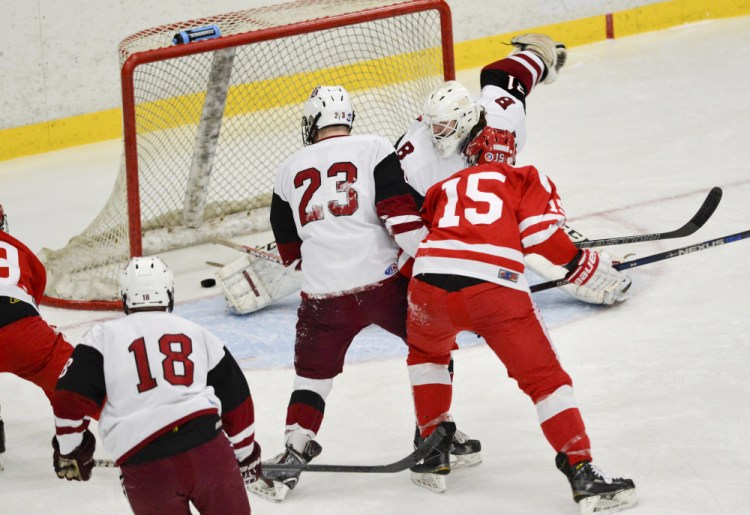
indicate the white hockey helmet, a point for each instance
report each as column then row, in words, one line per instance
column 3, row 220
column 451, row 112
column 327, row 105
column 147, row 282
column 491, row 146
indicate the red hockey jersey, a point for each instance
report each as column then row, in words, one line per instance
column 483, row 220
column 22, row 275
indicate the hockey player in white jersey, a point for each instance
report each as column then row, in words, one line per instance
column 430, row 151
column 341, row 205
column 177, row 416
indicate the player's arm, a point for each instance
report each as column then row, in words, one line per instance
column 79, row 396
column 285, row 230
column 237, row 413
column 591, row 274
column 395, row 205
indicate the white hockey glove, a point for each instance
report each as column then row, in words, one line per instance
column 251, row 283
column 592, row 273
column 583, row 292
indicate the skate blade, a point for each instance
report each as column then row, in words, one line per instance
column 610, row 503
column 465, row 460
column 275, row 492
column 433, row 482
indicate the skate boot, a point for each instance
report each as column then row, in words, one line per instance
column 275, row 485
column 431, row 471
column 552, row 53
column 465, row 451
column 593, row 490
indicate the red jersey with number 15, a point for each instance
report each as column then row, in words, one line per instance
column 22, row 275
column 482, row 220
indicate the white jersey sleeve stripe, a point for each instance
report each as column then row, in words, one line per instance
column 538, row 237
column 533, row 220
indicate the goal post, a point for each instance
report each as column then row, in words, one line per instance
column 206, row 123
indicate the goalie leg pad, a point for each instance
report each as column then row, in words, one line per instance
column 250, row 283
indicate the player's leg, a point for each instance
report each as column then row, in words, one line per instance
column 432, row 329
column 219, row 488
column 325, row 330
column 387, row 307
column 517, row 334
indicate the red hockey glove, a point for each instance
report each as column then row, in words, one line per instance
column 598, row 281
column 77, row 465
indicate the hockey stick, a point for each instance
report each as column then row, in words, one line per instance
column 412, row 459
column 249, row 250
column 105, row 463
column 656, row 257
column 701, row 217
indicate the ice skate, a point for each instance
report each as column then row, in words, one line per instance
column 553, row 54
column 465, row 451
column 430, row 472
column 276, row 485
column 595, row 491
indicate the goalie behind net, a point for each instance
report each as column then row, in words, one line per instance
column 207, row 123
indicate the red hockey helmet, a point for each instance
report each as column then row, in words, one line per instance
column 491, row 146
column 3, row 220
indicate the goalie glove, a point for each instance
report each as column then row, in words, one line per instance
column 251, row 467
column 593, row 271
column 78, row 464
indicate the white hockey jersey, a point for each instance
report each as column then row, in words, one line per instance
column 344, row 200
column 152, row 368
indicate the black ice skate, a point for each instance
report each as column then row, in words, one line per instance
column 275, row 485
column 430, row 472
column 465, row 451
column 593, row 490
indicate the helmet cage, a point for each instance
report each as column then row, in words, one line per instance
column 450, row 112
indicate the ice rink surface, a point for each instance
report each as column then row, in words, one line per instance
column 634, row 133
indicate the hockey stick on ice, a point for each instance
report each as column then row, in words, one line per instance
column 699, row 219
column 412, row 459
column 645, row 260
column 415, row 457
column 248, row 250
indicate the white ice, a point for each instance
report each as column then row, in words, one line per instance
column 635, row 132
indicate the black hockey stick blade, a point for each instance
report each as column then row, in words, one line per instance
column 699, row 219
column 645, row 260
column 412, row 459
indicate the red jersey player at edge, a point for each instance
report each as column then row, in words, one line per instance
column 469, row 275
column 342, row 206
column 29, row 347
column 168, row 387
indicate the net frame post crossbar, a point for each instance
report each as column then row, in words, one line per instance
column 128, row 74
column 132, row 61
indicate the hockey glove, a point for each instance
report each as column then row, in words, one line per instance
column 76, row 465
column 250, row 467
column 593, row 273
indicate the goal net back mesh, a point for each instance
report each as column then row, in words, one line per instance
column 206, row 123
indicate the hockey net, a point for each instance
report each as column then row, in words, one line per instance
column 206, row 123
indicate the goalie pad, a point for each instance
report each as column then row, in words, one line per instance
column 251, row 283
column 551, row 272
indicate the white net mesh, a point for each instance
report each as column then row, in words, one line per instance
column 233, row 147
